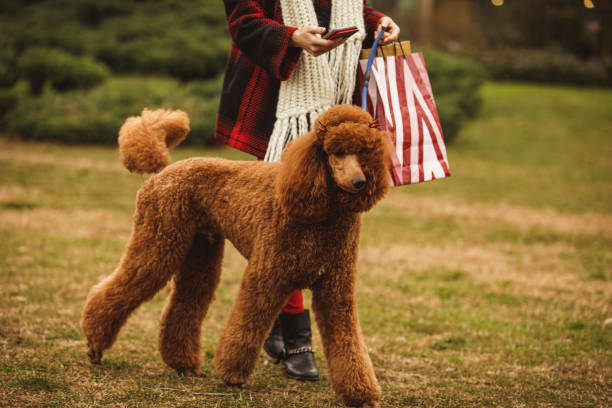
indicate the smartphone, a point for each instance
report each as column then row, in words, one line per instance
column 342, row 32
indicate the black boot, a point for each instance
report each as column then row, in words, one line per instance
column 274, row 344
column 299, row 356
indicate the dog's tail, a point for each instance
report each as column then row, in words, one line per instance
column 144, row 140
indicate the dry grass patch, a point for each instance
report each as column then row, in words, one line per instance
column 70, row 223
column 48, row 154
column 545, row 271
column 524, row 218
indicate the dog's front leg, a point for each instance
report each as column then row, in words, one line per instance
column 350, row 370
column 258, row 303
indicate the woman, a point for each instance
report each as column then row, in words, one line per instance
column 273, row 91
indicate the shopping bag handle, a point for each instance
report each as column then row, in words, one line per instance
column 366, row 75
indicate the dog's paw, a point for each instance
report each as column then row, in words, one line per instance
column 95, row 356
column 371, row 404
column 232, row 379
column 190, row 372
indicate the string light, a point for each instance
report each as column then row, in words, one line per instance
column 498, row 3
column 589, row 4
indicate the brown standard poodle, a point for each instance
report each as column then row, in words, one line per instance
column 296, row 222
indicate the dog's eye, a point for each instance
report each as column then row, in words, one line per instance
column 340, row 154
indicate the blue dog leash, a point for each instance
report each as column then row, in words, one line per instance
column 366, row 75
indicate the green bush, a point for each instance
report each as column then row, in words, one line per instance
column 8, row 101
column 8, row 79
column 178, row 54
column 455, row 82
column 8, row 68
column 546, row 66
column 62, row 70
column 186, row 39
column 95, row 116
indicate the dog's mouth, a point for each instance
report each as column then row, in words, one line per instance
column 355, row 186
column 350, row 190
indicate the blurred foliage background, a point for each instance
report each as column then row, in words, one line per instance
column 73, row 70
column 561, row 41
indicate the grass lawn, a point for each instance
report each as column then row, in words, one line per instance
column 490, row 288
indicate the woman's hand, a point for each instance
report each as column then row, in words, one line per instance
column 392, row 33
column 309, row 39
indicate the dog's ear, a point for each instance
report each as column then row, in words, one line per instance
column 301, row 185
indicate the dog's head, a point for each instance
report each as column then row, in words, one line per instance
column 341, row 165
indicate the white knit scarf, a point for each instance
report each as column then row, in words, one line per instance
column 316, row 83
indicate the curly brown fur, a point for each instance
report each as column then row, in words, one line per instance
column 296, row 222
column 144, row 140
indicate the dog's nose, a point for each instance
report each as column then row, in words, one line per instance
column 359, row 183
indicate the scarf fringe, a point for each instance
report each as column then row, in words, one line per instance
column 287, row 129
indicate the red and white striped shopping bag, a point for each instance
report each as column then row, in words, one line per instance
column 399, row 96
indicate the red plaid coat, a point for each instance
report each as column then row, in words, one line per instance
column 259, row 59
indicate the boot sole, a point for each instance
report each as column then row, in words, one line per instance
column 299, row 378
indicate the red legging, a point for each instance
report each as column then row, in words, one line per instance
column 295, row 304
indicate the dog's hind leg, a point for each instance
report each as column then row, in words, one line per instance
column 193, row 290
column 146, row 266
